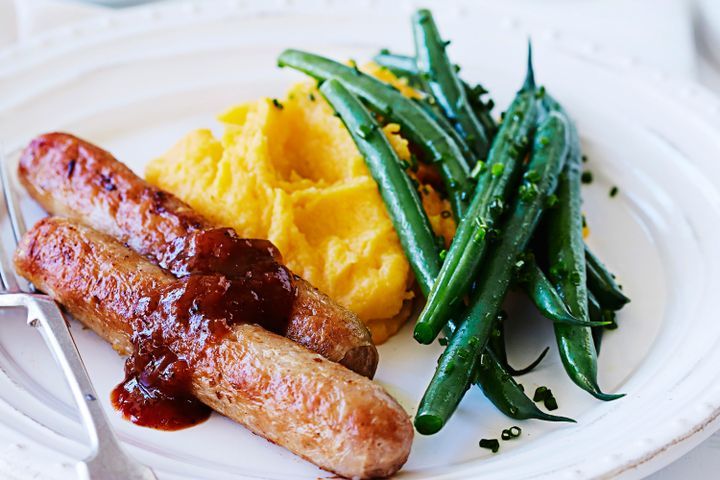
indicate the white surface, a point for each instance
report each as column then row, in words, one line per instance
column 121, row 133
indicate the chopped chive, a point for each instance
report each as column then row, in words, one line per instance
column 497, row 206
column 443, row 341
column 364, row 131
column 550, row 402
column 311, row 97
column 532, row 176
column 584, row 158
column 609, row 315
column 277, row 104
column 497, row 169
column 528, row 191
column 586, row 177
column 614, row 191
column 477, row 169
column 510, row 433
column 540, row 394
column 490, row 444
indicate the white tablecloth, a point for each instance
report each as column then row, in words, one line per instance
column 664, row 33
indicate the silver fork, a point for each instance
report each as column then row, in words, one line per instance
column 107, row 459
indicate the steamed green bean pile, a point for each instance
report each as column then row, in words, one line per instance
column 514, row 188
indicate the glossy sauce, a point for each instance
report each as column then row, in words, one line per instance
column 173, row 329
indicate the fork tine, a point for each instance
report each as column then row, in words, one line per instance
column 7, row 273
column 8, row 281
column 11, row 202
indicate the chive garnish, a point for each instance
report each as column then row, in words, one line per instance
column 477, row 169
column 552, row 200
column 277, row 104
column 497, row 169
column 490, row 444
column 532, row 176
column 541, row 394
column 550, row 402
column 586, row 177
column 614, row 191
column 510, row 433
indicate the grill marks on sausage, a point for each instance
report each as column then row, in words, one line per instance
column 71, row 167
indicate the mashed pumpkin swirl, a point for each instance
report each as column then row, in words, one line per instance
column 289, row 171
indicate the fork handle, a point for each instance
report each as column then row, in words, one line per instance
column 107, row 459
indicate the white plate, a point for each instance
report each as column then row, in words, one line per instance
column 136, row 82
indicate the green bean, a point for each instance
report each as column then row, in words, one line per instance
column 441, row 77
column 469, row 245
column 459, row 361
column 416, row 124
column 565, row 251
column 401, row 199
column 603, row 283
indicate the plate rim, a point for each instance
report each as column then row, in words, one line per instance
column 690, row 96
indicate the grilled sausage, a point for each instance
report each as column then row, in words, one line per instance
column 337, row 419
column 75, row 179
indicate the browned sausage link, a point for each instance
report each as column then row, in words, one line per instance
column 76, row 179
column 335, row 418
